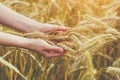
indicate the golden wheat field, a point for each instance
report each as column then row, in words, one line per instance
column 92, row 54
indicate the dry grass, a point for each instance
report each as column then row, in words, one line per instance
column 93, row 53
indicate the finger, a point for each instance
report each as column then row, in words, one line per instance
column 45, row 54
column 62, row 28
column 50, row 54
column 58, row 32
column 56, row 49
column 54, row 54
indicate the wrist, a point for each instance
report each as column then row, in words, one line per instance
column 25, row 26
column 26, row 43
column 13, row 40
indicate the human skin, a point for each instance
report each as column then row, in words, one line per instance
column 24, row 24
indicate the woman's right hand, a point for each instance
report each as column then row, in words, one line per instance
column 45, row 49
column 36, row 45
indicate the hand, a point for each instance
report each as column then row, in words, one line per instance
column 36, row 45
column 45, row 49
column 51, row 28
column 23, row 23
column 35, row 26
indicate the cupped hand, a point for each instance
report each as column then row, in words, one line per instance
column 45, row 49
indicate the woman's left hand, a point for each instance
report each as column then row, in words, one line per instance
column 51, row 28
